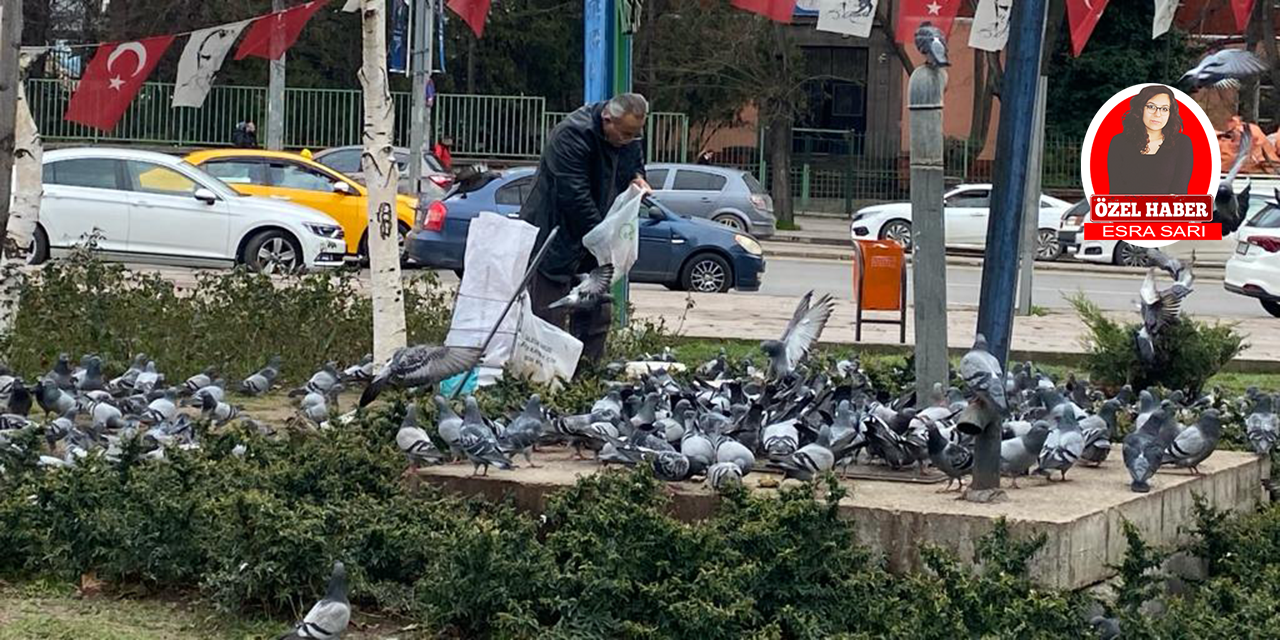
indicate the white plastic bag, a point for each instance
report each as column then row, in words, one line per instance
column 616, row 240
column 497, row 255
column 543, row 352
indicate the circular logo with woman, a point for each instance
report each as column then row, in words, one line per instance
column 1150, row 139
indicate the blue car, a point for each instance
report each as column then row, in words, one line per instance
column 677, row 251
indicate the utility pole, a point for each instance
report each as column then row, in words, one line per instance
column 928, row 229
column 1000, row 267
column 420, row 132
column 1031, row 209
column 275, row 93
column 10, row 49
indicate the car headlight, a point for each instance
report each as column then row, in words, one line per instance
column 749, row 244
column 325, row 230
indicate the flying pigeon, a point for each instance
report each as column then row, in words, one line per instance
column 260, row 382
column 419, row 366
column 801, row 333
column 933, row 44
column 591, row 291
column 1223, row 69
column 981, row 372
column 329, row 617
column 1162, row 308
column 1144, row 448
column 1195, row 443
column 1230, row 208
column 1261, row 426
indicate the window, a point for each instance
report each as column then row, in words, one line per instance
column 657, row 178
column 1268, row 218
column 753, row 185
column 235, row 171
column 95, row 173
column 970, row 199
column 346, row 161
column 154, row 178
column 292, row 176
column 698, row 181
column 514, row 192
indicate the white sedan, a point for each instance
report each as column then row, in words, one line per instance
column 967, row 211
column 155, row 208
column 1254, row 269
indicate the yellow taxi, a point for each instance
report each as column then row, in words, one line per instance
column 299, row 179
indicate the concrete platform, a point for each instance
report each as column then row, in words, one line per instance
column 1082, row 517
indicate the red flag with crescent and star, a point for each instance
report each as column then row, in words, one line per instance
column 913, row 13
column 112, row 79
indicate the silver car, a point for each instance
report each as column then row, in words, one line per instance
column 731, row 197
column 347, row 161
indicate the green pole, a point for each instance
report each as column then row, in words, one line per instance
column 621, row 67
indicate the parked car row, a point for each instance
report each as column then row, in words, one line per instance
column 278, row 212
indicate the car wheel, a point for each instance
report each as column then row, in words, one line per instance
column 899, row 231
column 39, row 252
column 1047, row 247
column 1128, row 255
column 403, row 230
column 273, row 252
column 1272, row 307
column 707, row 273
column 731, row 221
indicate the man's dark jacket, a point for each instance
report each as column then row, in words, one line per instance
column 579, row 176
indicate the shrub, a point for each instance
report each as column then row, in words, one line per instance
column 1188, row 352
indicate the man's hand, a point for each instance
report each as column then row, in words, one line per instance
column 642, row 184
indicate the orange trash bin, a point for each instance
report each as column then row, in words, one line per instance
column 880, row 284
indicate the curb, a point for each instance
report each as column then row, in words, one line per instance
column 972, row 260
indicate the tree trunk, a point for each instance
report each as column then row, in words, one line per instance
column 1249, row 89
column 779, row 145
column 381, row 178
column 10, row 46
column 1273, row 56
column 20, row 150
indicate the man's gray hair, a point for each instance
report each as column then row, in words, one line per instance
column 632, row 104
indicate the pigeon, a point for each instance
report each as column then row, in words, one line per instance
column 730, row 450
column 811, row 459
column 1144, row 448
column 147, row 379
column 314, row 407
column 260, row 382
column 60, row 375
column 216, row 390
column 1147, row 405
column 933, row 44
column 199, row 381
column 591, row 291
column 1261, row 426
column 724, row 475
column 1229, row 208
column 950, row 458
column 361, row 371
column 19, row 398
column 799, row 337
column 448, row 425
column 52, row 398
column 419, row 366
column 1105, row 628
column 1223, row 69
column 329, row 617
column 1018, row 454
column 414, row 441
column 1097, row 431
column 216, row 411
column 781, row 439
column 671, row 466
column 1195, row 443
column 92, row 379
column 697, row 447
column 1063, row 447
column 478, row 443
column 610, row 406
column 321, row 382
column 525, row 430
column 104, row 415
column 1162, row 308
column 162, row 409
column 982, row 374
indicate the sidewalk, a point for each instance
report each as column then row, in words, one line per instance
column 1055, row 336
column 826, row 237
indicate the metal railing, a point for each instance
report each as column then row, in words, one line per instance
column 666, row 134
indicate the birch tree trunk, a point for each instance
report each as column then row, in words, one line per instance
column 381, row 177
column 20, row 149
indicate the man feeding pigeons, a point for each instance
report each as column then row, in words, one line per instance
column 593, row 155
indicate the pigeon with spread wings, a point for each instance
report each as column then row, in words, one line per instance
column 801, row 334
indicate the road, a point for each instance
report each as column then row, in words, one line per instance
column 793, row 277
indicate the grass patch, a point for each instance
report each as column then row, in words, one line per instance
column 788, row 225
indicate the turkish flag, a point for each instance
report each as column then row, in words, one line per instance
column 1242, row 9
column 1082, row 17
column 472, row 12
column 112, row 79
column 271, row 35
column 912, row 13
column 776, row 10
